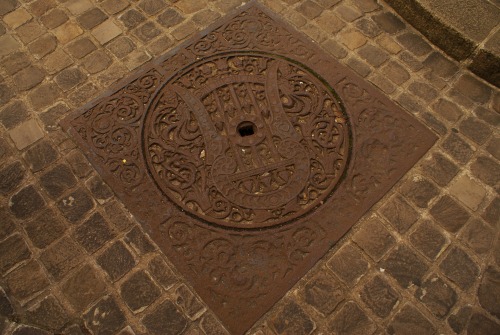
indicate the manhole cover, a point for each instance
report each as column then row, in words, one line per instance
column 247, row 153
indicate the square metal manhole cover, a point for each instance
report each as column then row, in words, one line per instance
column 246, row 153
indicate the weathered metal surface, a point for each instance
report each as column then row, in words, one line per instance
column 247, row 153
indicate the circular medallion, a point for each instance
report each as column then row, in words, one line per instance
column 246, row 140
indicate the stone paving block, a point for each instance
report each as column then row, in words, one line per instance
column 28, row 32
column 489, row 291
column 475, row 130
column 61, row 257
column 44, row 95
column 411, row 103
column 415, row 44
column 151, row 7
column 83, row 287
column 348, row 264
column 202, row 17
column 374, row 238
column 77, row 7
column 116, row 261
column 468, row 191
column 81, row 48
column 460, row 268
column 409, row 321
column 389, row 22
column 449, row 214
column 184, row 30
column 440, row 65
column 170, row 17
column 54, row 18
column 448, row 110
column 55, row 62
column 57, row 180
column 70, row 78
column 423, row 91
column 388, row 44
column 5, row 93
column 487, row 170
column 75, row 205
column 492, row 212
column 382, row 83
column 79, row 164
column 373, row 55
column 460, row 319
column 420, row 191
column 292, row 319
column 28, row 78
column 139, row 242
column 6, row 308
column 147, row 31
column 190, row 6
column 352, row 39
column 478, row 236
column 188, row 303
column 395, row 72
column 323, row 293
column 399, row 213
column 99, row 189
column 457, row 148
column 117, row 216
column 14, row 62
column 11, row 176
column 348, row 13
column 428, row 240
column 210, row 325
column 40, row 7
column 13, row 114
column 67, row 32
column 359, row 66
column 473, row 89
column 434, row 123
column 437, row 296
column 482, row 325
column 132, row 18
column 42, row 46
column 105, row 317
column 8, row 226
column 48, row 314
column 93, row 233
column 335, row 49
column 121, row 46
column 83, row 94
column 351, row 320
column 487, row 115
column 379, row 296
column 8, row 6
column 26, row 202
column 91, row 18
column 405, row 266
column 309, row 9
column 17, row 18
column 96, row 61
column 161, row 272
column 165, row 320
column 440, row 169
column 27, row 281
column 13, row 250
column 139, row 291
column 330, row 22
column 45, row 229
column 114, row 6
column 9, row 45
column 106, row 31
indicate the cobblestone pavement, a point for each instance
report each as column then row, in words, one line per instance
column 424, row 260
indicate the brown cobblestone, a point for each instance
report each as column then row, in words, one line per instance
column 11, row 176
column 473, row 89
column 449, row 214
column 486, row 170
column 379, row 296
column 106, row 31
column 8, row 6
column 323, row 293
column 7, row 227
column 132, row 18
column 292, row 319
column 117, row 216
column 165, row 319
column 459, row 268
column 482, row 325
column 57, row 181
column 69, row 78
column 382, row 83
column 161, row 272
column 67, row 32
column 415, row 44
column 488, row 116
column 399, row 213
column 359, row 66
column 92, row 18
column 96, row 61
column 437, row 296
column 351, row 320
column 17, row 18
column 114, row 6
column 410, row 321
column 420, row 191
column 75, row 205
column 93, row 233
column 29, row 32
column 190, row 6
column 27, row 281
column 116, row 261
column 43, row 46
column 135, row 59
column 188, row 303
column 14, row 62
column 413, row 63
column 151, row 7
column 395, row 72
column 374, row 238
column 5, row 93
column 389, row 22
column 459, row 321
column 28, row 78
column 348, row 13
column 199, row 19
column 428, row 240
column 139, row 291
column 26, row 202
column 475, row 130
column 468, row 191
column 81, row 47
column 434, row 123
column 83, row 287
column 368, row 28
column 492, row 212
column 55, row 62
column 478, row 236
column 309, row 9
column 184, row 30
column 77, row 7
column 121, row 46
column 54, row 18
column 440, row 65
column 405, row 266
column 9, row 45
column 460, row 150
column 48, row 315
column 79, row 164
column 13, row 250
column 330, row 22
column 45, row 229
column 448, row 110
column 139, row 242
column 147, row 32
column 423, row 91
column 348, row 264
column 61, row 257
column 105, row 317
column 352, row 39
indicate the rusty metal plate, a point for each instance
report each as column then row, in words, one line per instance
column 246, row 153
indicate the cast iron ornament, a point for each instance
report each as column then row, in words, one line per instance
column 246, row 153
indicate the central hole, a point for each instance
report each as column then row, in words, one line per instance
column 246, row 128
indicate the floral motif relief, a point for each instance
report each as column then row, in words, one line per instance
column 242, row 266
column 112, row 128
column 246, row 140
